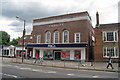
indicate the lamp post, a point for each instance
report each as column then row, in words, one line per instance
column 23, row 35
column 2, row 51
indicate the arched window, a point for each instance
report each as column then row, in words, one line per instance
column 56, row 37
column 48, row 35
column 65, row 36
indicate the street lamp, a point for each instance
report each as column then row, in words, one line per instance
column 23, row 35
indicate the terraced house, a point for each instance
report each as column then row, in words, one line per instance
column 107, row 41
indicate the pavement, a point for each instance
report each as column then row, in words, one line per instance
column 97, row 66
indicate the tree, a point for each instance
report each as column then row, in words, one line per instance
column 4, row 38
column 14, row 41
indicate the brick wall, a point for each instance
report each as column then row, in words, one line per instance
column 100, row 43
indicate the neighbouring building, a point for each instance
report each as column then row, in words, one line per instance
column 63, row 37
column 16, row 50
column 107, row 41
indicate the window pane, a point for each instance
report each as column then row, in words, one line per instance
column 116, row 52
column 77, row 38
column 38, row 39
column 110, row 36
column 104, row 36
column 105, row 51
column 48, row 37
column 110, row 52
column 56, row 37
column 115, row 36
column 65, row 36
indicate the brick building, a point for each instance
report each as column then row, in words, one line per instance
column 63, row 37
column 107, row 41
column 27, row 39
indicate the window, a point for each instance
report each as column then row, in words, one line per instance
column 110, row 36
column 65, row 36
column 56, row 37
column 38, row 39
column 110, row 51
column 65, row 54
column 48, row 35
column 77, row 54
column 31, row 37
column 48, row 54
column 77, row 37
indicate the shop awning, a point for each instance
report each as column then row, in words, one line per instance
column 70, row 45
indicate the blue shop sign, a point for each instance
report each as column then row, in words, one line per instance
column 73, row 45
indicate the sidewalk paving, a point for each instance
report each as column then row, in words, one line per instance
column 98, row 66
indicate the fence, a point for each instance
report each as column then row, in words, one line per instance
column 92, row 65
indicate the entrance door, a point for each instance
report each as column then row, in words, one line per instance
column 57, row 55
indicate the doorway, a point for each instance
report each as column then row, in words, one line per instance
column 57, row 55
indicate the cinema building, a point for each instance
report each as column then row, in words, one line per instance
column 63, row 37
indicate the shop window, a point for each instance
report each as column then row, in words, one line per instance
column 56, row 37
column 110, row 52
column 65, row 54
column 38, row 39
column 6, row 52
column 48, row 35
column 77, row 54
column 110, row 36
column 48, row 54
column 65, row 36
column 77, row 37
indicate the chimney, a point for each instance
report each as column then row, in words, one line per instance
column 97, row 19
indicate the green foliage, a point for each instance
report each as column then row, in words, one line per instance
column 4, row 38
column 14, row 41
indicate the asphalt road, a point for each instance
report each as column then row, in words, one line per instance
column 12, row 70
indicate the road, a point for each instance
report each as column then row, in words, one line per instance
column 13, row 70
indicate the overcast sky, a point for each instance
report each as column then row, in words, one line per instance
column 34, row 9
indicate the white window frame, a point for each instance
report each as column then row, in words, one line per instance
column 75, row 37
column 46, row 41
column 68, row 36
column 108, row 52
column 55, row 38
column 105, row 36
column 37, row 38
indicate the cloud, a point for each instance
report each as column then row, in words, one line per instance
column 35, row 9
column 15, row 24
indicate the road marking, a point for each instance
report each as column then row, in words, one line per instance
column 36, row 70
column 25, row 68
column 51, row 72
column 10, row 75
column 70, row 74
column 95, row 76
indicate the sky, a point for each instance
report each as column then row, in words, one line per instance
column 36, row 9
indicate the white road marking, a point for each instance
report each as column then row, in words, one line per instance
column 95, row 76
column 36, row 70
column 16, row 67
column 25, row 68
column 10, row 75
column 51, row 72
column 70, row 74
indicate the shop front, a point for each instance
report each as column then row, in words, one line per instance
column 59, row 51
